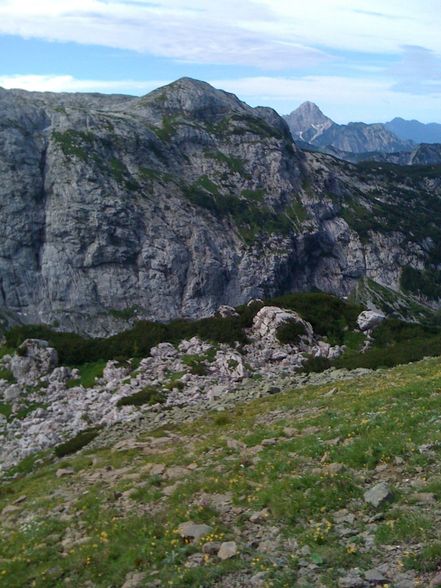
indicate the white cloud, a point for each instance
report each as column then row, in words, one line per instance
column 262, row 33
column 202, row 31
column 371, row 26
column 67, row 83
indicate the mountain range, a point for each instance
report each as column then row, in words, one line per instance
column 413, row 130
column 414, row 142
column 115, row 208
column 308, row 124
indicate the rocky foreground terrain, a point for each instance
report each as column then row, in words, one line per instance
column 116, row 208
column 329, row 484
column 47, row 404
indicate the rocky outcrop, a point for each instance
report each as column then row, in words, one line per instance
column 115, row 209
column 56, row 406
column 269, row 319
column 34, row 359
column 369, row 319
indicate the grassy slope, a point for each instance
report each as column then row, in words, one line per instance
column 123, row 521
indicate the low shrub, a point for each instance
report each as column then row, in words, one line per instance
column 196, row 364
column 148, row 395
column 76, row 443
column 290, row 332
column 331, row 318
column 222, row 419
column 316, row 364
column 6, row 375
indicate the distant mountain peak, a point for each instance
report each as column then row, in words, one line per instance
column 308, row 113
column 310, row 107
column 307, row 122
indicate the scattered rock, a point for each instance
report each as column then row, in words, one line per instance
column 62, row 472
column 190, row 530
column 211, row 548
column 34, row 359
column 270, row 318
column 9, row 509
column 352, row 580
column 369, row 319
column 226, row 311
column 375, row 576
column 378, row 494
column 134, row 580
column 259, row 517
column 259, row 579
column 436, row 581
column 157, row 469
column 227, row 550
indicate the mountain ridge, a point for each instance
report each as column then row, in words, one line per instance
column 169, row 205
column 308, row 123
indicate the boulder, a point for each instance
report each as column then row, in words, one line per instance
column 226, row 311
column 163, row 351
column 34, row 359
column 254, row 301
column 378, row 494
column 60, row 375
column 269, row 318
column 114, row 371
column 190, row 530
column 227, row 550
column 230, row 364
column 12, row 392
column 369, row 319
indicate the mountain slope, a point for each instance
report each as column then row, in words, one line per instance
column 335, row 484
column 425, row 154
column 361, row 137
column 117, row 208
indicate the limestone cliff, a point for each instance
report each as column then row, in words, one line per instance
column 114, row 207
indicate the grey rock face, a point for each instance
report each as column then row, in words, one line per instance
column 368, row 319
column 116, row 208
column 34, row 359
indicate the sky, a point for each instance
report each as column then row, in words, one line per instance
column 366, row 60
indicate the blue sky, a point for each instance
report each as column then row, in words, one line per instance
column 357, row 59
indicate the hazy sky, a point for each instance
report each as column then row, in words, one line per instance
column 357, row 59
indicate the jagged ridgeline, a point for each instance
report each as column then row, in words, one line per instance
column 117, row 208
